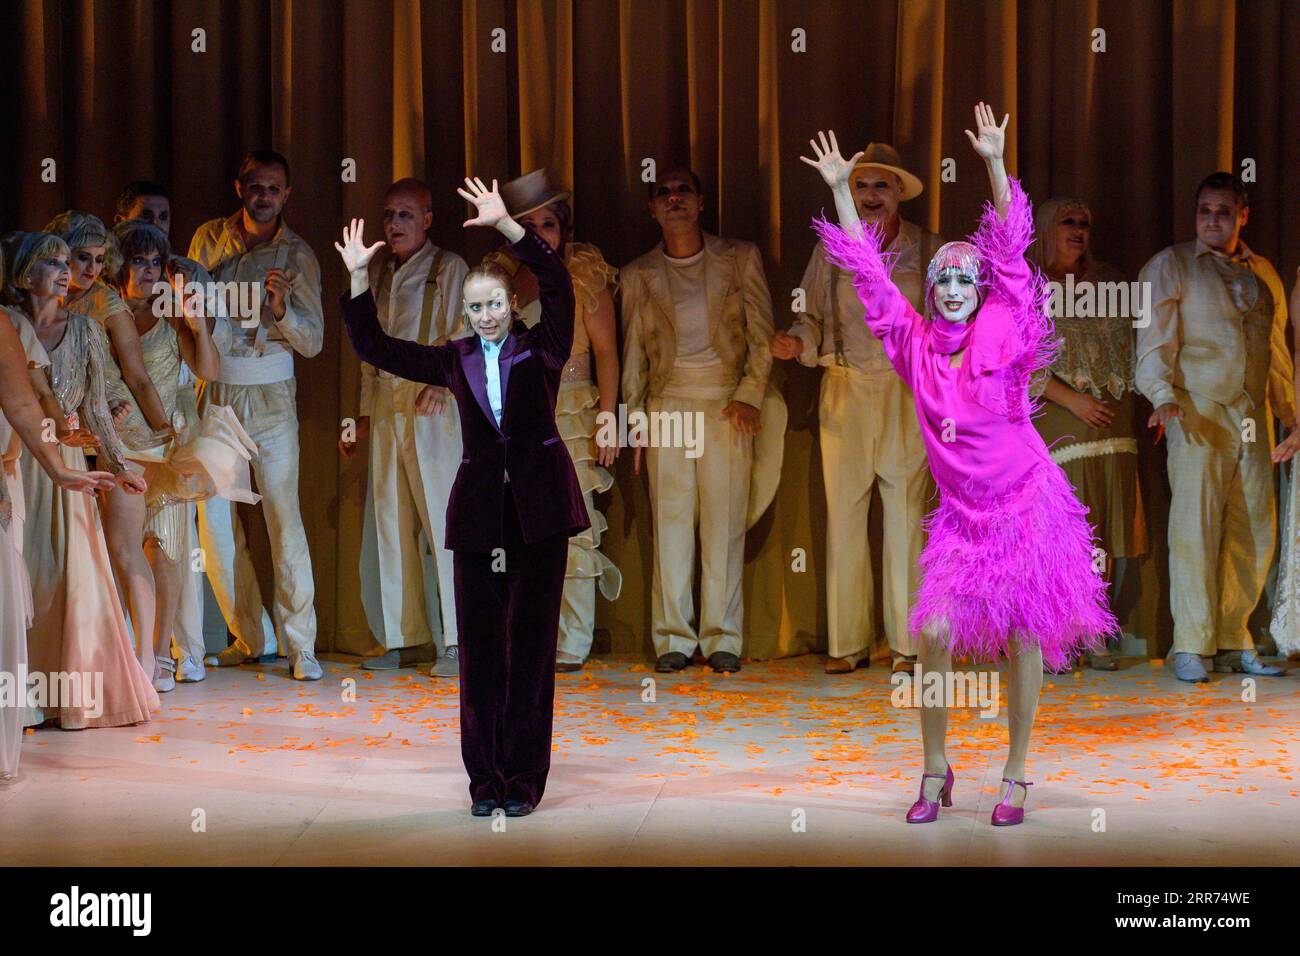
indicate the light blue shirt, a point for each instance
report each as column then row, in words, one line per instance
column 491, row 362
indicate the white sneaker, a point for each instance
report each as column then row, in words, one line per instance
column 304, row 666
column 191, row 670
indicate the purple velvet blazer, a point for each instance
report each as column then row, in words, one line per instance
column 526, row 444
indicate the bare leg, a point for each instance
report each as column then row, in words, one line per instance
column 1024, row 683
column 168, row 580
column 933, row 655
column 123, row 516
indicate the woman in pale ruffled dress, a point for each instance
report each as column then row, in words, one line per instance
column 588, row 386
column 1285, row 626
column 1087, row 419
column 93, row 256
column 19, row 405
column 206, row 457
column 78, row 625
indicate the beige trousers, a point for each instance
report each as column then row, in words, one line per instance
column 1221, row 522
column 269, row 414
column 413, row 464
column 709, row 492
column 869, row 434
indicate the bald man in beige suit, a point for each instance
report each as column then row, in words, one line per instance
column 1212, row 358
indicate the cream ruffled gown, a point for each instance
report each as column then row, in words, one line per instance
column 575, row 416
column 78, row 625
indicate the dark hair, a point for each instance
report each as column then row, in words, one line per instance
column 677, row 168
column 263, row 157
column 1224, row 181
column 134, row 191
column 137, row 237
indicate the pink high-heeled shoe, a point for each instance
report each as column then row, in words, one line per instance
column 927, row 811
column 1004, row 814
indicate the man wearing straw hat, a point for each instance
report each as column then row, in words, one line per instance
column 414, row 432
column 869, row 431
column 697, row 325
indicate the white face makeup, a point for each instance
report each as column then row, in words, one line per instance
column 956, row 296
column 406, row 222
column 877, row 193
column 1073, row 230
column 86, row 265
column 50, row 276
column 264, row 191
column 487, row 306
column 1219, row 218
column 143, row 270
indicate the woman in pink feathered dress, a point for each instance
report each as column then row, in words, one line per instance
column 1008, row 570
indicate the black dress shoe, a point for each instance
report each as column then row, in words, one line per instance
column 518, row 808
column 672, row 661
column 483, row 808
column 724, row 661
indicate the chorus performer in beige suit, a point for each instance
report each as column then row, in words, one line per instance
column 868, row 428
column 697, row 326
column 1213, row 360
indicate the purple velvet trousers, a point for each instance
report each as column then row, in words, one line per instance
column 508, row 614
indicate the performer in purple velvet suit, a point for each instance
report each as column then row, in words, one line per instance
column 514, row 506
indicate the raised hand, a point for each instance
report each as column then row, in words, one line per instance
column 356, row 254
column 989, row 139
column 491, row 207
column 835, row 169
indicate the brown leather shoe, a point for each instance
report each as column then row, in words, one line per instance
column 904, row 662
column 840, row 665
column 567, row 663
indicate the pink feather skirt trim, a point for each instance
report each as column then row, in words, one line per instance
column 1023, row 563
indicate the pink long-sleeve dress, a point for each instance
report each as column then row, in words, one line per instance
column 1009, row 547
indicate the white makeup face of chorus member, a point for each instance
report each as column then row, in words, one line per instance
column 956, row 296
column 263, row 192
column 676, row 200
column 877, row 193
column 487, row 305
column 546, row 224
column 406, row 222
column 1219, row 219
column 155, row 210
column 143, row 270
column 50, row 276
column 86, row 264
column 1073, row 233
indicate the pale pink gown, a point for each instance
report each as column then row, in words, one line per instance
column 79, row 626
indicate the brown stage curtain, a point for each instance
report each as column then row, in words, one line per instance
column 112, row 90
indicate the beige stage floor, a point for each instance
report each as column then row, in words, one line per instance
column 778, row 765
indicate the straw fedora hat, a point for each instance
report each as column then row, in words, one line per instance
column 530, row 192
column 884, row 156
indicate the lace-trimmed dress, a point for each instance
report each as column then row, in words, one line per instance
column 209, row 456
column 78, row 624
column 1009, row 549
column 575, row 416
column 15, row 586
column 1096, row 356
